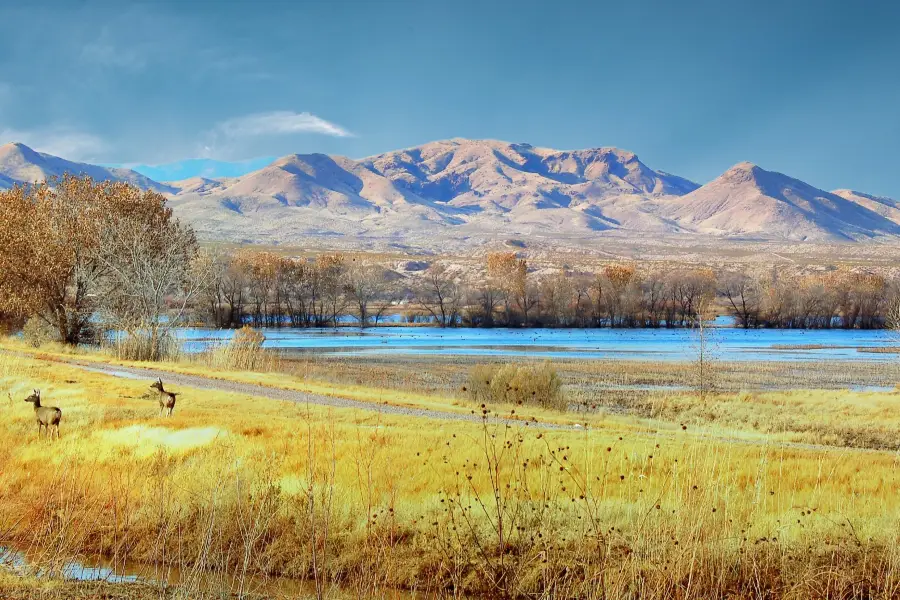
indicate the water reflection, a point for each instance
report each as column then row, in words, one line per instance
column 641, row 344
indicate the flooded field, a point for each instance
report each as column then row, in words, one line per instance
column 728, row 344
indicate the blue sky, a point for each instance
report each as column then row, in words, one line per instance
column 808, row 88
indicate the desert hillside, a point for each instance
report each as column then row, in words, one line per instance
column 458, row 192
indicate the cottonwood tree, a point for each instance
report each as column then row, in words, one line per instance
column 481, row 303
column 366, row 284
column 147, row 256
column 329, row 282
column 439, row 293
column 619, row 298
column 653, row 299
column 72, row 249
column 525, row 293
column 690, row 292
column 209, row 271
column 48, row 252
column 505, row 275
column 558, row 299
column 744, row 298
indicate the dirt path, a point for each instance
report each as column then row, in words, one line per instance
column 276, row 393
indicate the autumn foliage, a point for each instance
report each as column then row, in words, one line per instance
column 74, row 252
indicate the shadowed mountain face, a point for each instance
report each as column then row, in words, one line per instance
column 455, row 187
column 458, row 188
column 886, row 207
column 20, row 164
column 748, row 200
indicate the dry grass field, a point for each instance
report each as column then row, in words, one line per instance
column 744, row 495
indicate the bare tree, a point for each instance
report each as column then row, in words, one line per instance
column 503, row 277
column 744, row 298
column 559, row 299
column 210, row 275
column 365, row 284
column 439, row 293
column 330, row 274
column 147, row 254
column 526, row 294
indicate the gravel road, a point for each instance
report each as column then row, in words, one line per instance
column 275, row 393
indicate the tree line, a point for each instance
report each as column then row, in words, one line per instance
column 270, row 290
column 81, row 258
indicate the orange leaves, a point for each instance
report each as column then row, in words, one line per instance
column 507, row 272
column 619, row 276
column 57, row 239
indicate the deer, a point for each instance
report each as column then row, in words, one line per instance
column 47, row 416
column 166, row 398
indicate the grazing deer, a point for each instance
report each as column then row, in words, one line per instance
column 47, row 416
column 166, row 399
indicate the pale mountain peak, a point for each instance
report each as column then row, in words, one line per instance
column 461, row 187
column 19, row 149
column 744, row 167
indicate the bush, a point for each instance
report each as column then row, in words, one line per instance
column 244, row 352
column 141, row 346
column 537, row 385
column 38, row 332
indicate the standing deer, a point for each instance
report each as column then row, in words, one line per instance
column 166, row 399
column 47, row 416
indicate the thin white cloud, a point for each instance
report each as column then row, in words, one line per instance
column 279, row 123
column 63, row 142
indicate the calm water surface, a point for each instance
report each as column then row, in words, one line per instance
column 639, row 344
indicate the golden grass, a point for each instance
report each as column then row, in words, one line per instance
column 625, row 508
column 835, row 418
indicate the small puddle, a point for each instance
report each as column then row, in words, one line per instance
column 18, row 563
column 872, row 388
column 221, row 584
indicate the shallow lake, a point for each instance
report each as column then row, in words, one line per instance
column 726, row 343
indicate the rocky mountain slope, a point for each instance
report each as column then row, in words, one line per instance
column 460, row 189
column 469, row 187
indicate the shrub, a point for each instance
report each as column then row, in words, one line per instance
column 140, row 345
column 244, row 352
column 38, row 332
column 538, row 385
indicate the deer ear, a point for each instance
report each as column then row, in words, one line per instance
column 159, row 379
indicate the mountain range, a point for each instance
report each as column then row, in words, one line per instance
column 20, row 164
column 472, row 189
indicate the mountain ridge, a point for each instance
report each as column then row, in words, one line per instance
column 19, row 164
column 463, row 189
